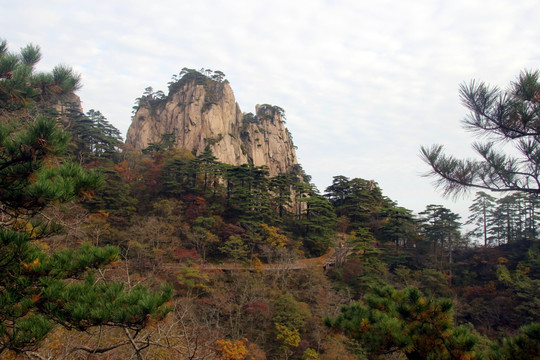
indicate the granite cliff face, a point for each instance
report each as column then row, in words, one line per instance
column 200, row 111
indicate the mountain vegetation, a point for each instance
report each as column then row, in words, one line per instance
column 111, row 253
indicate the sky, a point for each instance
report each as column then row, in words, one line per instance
column 363, row 83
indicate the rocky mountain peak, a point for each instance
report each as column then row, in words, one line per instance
column 200, row 110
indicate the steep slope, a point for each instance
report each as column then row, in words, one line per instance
column 200, row 111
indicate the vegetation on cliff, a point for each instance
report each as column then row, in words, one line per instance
column 200, row 111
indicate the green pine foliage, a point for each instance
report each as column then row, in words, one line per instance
column 408, row 323
column 525, row 345
column 363, row 205
column 20, row 85
column 507, row 116
column 115, row 198
column 93, row 136
column 39, row 288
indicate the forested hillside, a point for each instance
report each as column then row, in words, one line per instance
column 113, row 253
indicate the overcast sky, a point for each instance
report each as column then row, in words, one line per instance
column 364, row 83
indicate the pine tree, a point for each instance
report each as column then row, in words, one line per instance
column 280, row 185
column 40, row 289
column 248, row 196
column 399, row 226
column 481, row 213
column 338, row 192
column 20, row 85
column 34, row 294
column 316, row 222
column 523, row 346
column 509, row 117
column 93, row 136
column 406, row 322
column 361, row 201
column 441, row 228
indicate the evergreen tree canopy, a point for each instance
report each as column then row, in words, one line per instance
column 440, row 225
column 481, row 210
column 362, row 203
column 406, row 322
column 21, row 85
column 358, row 199
column 38, row 289
column 509, row 117
column 523, row 346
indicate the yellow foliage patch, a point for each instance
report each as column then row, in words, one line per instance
column 231, row 350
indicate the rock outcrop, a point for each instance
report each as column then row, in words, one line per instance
column 200, row 111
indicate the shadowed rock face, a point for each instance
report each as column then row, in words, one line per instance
column 207, row 114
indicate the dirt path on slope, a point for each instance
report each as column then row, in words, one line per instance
column 298, row 264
